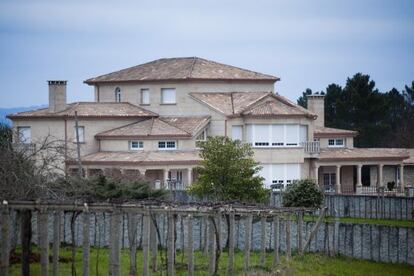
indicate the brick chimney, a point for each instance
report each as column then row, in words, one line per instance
column 316, row 104
column 57, row 95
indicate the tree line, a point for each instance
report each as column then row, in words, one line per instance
column 383, row 119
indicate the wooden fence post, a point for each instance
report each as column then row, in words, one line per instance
column 86, row 242
column 146, row 244
column 5, row 242
column 56, row 241
column 230, row 264
column 263, row 241
column 276, row 225
column 248, row 241
column 114, row 236
column 314, row 229
column 299, row 231
column 288, row 245
column 205, row 233
column 212, row 244
column 170, row 244
column 44, row 243
column 132, row 239
column 190, row 249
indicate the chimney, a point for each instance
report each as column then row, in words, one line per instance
column 316, row 105
column 57, row 95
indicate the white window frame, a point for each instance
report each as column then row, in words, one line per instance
column 81, row 132
column 163, row 101
column 20, row 133
column 165, row 147
column 335, row 143
column 203, row 136
column 272, row 142
column 140, row 145
column 142, row 92
column 118, row 97
column 279, row 174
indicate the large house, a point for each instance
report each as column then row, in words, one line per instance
column 147, row 120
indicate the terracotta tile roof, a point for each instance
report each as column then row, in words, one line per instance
column 410, row 160
column 89, row 109
column 363, row 154
column 140, row 158
column 233, row 104
column 181, row 69
column 321, row 132
column 183, row 127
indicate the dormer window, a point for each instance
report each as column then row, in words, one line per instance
column 168, row 96
column 336, row 143
column 167, row 145
column 118, row 95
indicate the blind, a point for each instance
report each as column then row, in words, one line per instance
column 265, row 173
column 278, row 173
column 81, row 132
column 278, row 135
column 237, row 133
column 168, row 95
column 292, row 135
column 25, row 135
column 303, row 133
column 261, row 134
column 292, row 171
column 145, row 96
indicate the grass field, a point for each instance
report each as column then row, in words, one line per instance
column 387, row 222
column 309, row 264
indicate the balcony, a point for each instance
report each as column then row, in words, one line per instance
column 28, row 148
column 311, row 147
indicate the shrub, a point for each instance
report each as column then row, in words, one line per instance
column 391, row 185
column 303, row 193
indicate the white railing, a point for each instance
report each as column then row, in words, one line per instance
column 28, row 148
column 311, row 146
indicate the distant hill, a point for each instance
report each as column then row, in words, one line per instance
column 5, row 111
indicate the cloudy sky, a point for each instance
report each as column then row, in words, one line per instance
column 305, row 43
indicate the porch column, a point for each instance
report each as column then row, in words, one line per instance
column 317, row 174
column 338, row 179
column 165, row 178
column 142, row 172
column 189, row 176
column 402, row 185
column 380, row 168
column 359, row 175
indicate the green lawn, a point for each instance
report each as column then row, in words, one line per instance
column 387, row 222
column 310, row 264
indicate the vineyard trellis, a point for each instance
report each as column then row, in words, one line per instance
column 211, row 214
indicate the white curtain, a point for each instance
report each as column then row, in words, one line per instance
column 168, row 95
column 278, row 135
column 25, row 135
column 261, row 134
column 145, row 96
column 292, row 135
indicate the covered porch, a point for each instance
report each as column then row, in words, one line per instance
column 364, row 172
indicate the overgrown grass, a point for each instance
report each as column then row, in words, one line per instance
column 309, row 264
column 387, row 222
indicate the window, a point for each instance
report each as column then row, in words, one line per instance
column 201, row 138
column 81, row 133
column 279, row 135
column 237, row 133
column 280, row 175
column 329, row 181
column 145, row 96
column 168, row 95
column 167, row 145
column 338, row 143
column 118, row 95
column 24, row 135
column 136, row 145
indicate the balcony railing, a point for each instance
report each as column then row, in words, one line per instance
column 311, row 146
column 25, row 147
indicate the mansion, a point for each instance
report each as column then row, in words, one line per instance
column 146, row 120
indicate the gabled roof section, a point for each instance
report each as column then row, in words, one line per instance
column 166, row 127
column 328, row 132
column 89, row 110
column 255, row 104
column 185, row 68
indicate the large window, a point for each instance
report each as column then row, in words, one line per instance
column 336, row 143
column 168, row 95
column 118, row 95
column 81, row 133
column 276, row 135
column 201, row 138
column 24, row 135
column 145, row 96
column 167, row 145
column 136, row 145
column 237, row 133
column 280, row 174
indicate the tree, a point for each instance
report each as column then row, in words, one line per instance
column 303, row 100
column 228, row 172
column 303, row 193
